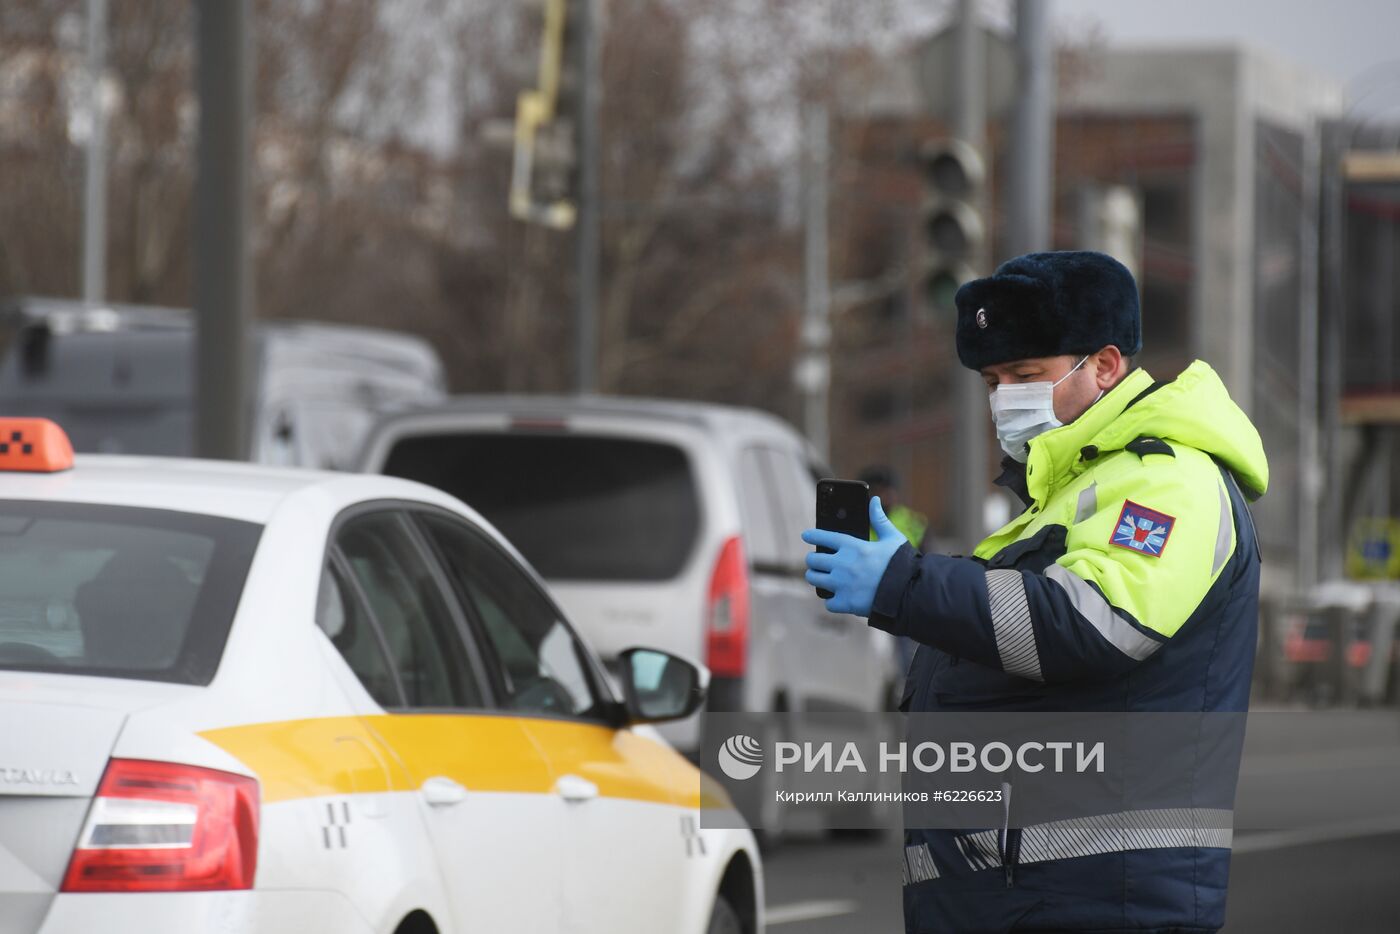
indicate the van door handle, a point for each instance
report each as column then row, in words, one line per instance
column 574, row 788
column 441, row 791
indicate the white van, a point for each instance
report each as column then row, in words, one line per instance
column 120, row 379
column 667, row 524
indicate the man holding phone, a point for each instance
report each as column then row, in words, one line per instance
column 1129, row 583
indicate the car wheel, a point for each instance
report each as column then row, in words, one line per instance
column 724, row 919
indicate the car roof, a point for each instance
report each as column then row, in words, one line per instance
column 250, row 492
column 707, row 416
column 107, row 322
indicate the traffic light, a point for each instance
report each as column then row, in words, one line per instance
column 545, row 162
column 951, row 222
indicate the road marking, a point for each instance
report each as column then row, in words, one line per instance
column 808, row 911
column 1307, row 836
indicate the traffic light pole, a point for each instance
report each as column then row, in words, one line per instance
column 969, row 123
column 95, row 177
column 588, row 214
column 814, row 366
column 223, row 283
column 1032, row 155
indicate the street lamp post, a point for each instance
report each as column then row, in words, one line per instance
column 223, row 287
column 969, row 125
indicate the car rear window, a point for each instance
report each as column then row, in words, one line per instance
column 118, row 591
column 579, row 507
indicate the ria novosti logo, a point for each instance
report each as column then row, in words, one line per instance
column 740, row 757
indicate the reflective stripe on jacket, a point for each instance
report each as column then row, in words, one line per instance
column 1130, row 583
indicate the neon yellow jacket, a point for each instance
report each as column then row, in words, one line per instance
column 911, row 523
column 1082, row 475
column 1130, row 522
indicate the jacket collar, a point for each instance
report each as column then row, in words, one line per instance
column 1013, row 477
column 1060, row 452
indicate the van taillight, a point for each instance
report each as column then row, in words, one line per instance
column 162, row 827
column 727, row 613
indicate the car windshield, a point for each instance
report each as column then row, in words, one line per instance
column 579, row 507
column 118, row 591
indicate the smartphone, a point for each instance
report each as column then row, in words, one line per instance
column 842, row 506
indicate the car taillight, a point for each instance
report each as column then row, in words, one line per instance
column 727, row 613
column 162, row 827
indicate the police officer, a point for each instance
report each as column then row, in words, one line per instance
column 884, row 483
column 1129, row 583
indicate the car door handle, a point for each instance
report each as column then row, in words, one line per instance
column 574, row 788
column 441, row 791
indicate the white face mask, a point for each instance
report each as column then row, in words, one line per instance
column 1022, row 411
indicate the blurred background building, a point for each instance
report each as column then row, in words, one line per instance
column 1199, row 168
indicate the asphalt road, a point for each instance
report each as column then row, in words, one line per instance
column 1350, row 886
column 1317, row 844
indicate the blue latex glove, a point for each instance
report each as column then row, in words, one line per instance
column 853, row 573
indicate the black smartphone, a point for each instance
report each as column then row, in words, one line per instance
column 842, row 506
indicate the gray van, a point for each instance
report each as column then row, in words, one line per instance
column 120, row 380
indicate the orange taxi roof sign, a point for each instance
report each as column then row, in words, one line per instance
column 34, row 445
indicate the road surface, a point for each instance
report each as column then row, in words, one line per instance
column 1317, row 849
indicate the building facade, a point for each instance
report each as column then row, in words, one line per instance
column 1198, row 167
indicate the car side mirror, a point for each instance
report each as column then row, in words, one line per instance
column 660, row 686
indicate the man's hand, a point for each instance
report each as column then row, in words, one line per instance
column 853, row 573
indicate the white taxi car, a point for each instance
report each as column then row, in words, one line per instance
column 236, row 698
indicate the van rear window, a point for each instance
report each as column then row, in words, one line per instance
column 118, row 591
column 579, row 507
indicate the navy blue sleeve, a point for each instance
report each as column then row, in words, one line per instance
column 935, row 599
column 1045, row 627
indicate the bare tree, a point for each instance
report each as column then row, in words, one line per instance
column 360, row 217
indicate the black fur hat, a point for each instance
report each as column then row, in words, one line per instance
column 1048, row 304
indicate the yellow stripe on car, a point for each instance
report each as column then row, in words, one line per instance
column 484, row 752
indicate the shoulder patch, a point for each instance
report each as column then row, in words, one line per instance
column 1142, row 530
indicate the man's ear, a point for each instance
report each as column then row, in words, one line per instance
column 1109, row 366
